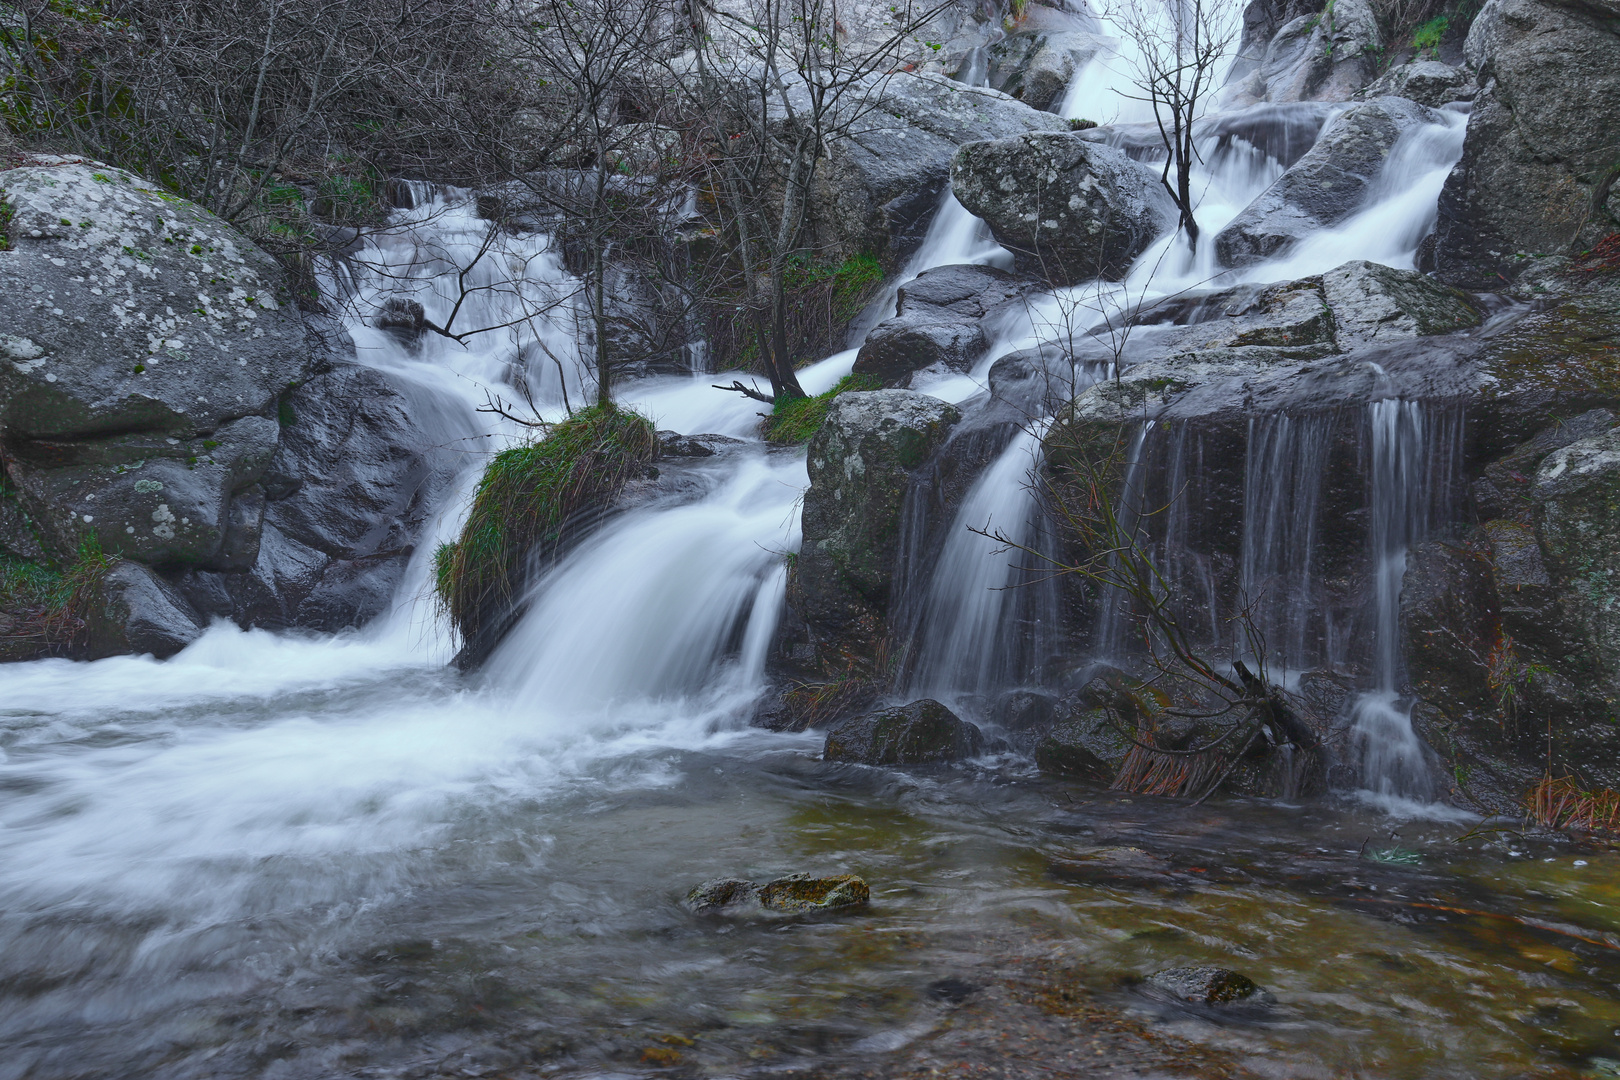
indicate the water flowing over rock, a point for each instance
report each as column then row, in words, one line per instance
column 861, row 463
column 1542, row 155
column 1325, row 186
column 1070, row 209
column 1036, row 66
column 940, row 322
column 921, row 733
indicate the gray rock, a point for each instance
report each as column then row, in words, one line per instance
column 1088, row 745
column 125, row 309
column 159, row 500
column 1069, row 209
column 720, row 893
column 921, row 733
column 19, row 534
column 1541, row 141
column 136, row 611
column 861, row 463
column 1321, row 55
column 940, row 321
column 1374, row 305
column 402, row 319
column 1206, row 985
column 884, row 183
column 1036, row 66
column 1427, row 82
column 1325, row 186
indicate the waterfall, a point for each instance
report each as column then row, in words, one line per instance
column 1392, row 756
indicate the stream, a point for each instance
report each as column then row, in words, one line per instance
column 296, row 856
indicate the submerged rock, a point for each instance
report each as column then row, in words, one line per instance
column 1070, row 209
column 921, row 733
column 1206, row 985
column 794, row 894
column 1325, row 186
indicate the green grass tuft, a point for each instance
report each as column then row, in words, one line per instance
column 530, row 498
column 794, row 420
column 45, row 605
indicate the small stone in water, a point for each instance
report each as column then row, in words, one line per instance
column 1580, row 862
column 1205, row 986
column 801, row 892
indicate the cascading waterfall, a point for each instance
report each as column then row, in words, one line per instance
column 1392, row 756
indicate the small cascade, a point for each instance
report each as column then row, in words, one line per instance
column 1392, row 756
column 1283, row 475
column 968, row 637
column 1113, row 607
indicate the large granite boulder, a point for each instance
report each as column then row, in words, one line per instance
column 1375, row 304
column 880, row 187
column 1325, row 186
column 1304, row 51
column 1070, row 209
column 940, row 322
column 862, row 463
column 126, row 310
column 1541, row 159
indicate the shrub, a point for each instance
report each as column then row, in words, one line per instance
column 1427, row 37
column 794, row 420
column 531, row 501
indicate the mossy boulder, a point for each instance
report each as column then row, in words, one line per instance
column 1375, row 305
column 921, row 733
column 862, row 464
column 533, row 502
column 1088, row 745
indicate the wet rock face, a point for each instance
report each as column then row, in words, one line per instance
column 921, row 733
column 1036, row 66
column 138, row 612
column 126, row 309
column 1325, row 186
column 1374, row 305
column 1308, row 51
column 1541, row 143
column 1427, row 82
column 939, row 322
column 861, row 464
column 1088, row 745
column 1070, row 209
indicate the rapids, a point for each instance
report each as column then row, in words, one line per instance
column 290, row 856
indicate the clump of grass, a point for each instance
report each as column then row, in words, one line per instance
column 48, row 606
column 1563, row 804
column 1427, row 38
column 530, row 501
column 794, row 420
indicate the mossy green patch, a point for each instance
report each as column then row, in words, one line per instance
column 527, row 501
column 793, row 420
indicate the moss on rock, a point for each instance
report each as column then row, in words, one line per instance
column 533, row 499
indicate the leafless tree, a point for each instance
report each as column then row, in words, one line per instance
column 1179, row 46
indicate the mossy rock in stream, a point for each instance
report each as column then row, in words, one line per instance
column 921, row 733
column 1207, row 985
column 794, row 894
column 533, row 501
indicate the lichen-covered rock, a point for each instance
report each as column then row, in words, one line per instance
column 1325, row 186
column 1427, row 82
column 126, row 309
column 939, row 322
column 921, row 733
column 1036, row 66
column 1206, row 985
column 861, row 463
column 1304, row 52
column 1069, row 209
column 1375, row 304
column 798, row 894
column 1541, row 144
column 720, row 893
